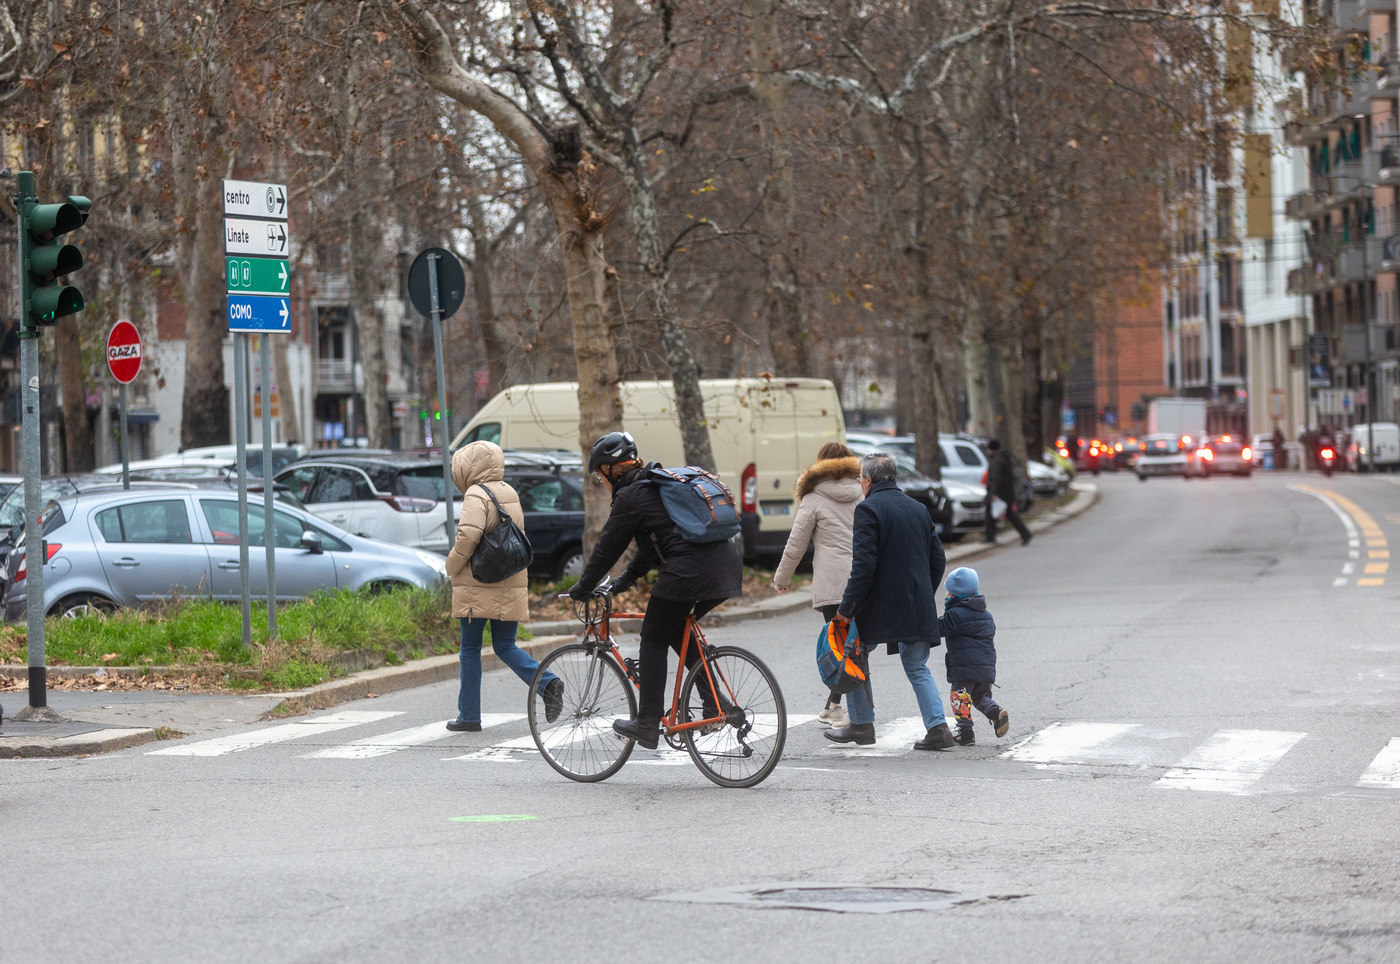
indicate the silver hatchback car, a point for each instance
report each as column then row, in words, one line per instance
column 124, row 548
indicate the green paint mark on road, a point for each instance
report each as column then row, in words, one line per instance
column 493, row 818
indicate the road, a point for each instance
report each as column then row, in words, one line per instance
column 1203, row 764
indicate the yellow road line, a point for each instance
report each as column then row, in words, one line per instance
column 1375, row 538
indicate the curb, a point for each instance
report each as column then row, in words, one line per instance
column 373, row 682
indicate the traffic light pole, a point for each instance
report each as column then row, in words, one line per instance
column 29, row 406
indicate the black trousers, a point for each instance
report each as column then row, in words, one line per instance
column 1012, row 516
column 964, row 696
column 663, row 628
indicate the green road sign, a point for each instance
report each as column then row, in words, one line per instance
column 256, row 276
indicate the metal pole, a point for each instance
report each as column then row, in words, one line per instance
column 269, row 529
column 240, row 432
column 126, row 462
column 1366, row 328
column 444, row 439
column 33, row 534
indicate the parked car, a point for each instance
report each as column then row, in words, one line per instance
column 967, row 509
column 116, row 548
column 551, row 497
column 1047, row 479
column 218, row 457
column 913, row 483
column 1224, row 454
column 8, row 483
column 396, row 498
column 1160, row 455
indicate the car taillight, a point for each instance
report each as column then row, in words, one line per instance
column 1208, row 455
column 23, row 570
column 1064, row 453
column 748, row 489
column 1247, row 454
column 406, row 503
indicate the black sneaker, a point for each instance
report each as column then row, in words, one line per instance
column 553, row 700
column 1002, row 722
column 463, row 726
column 640, row 732
column 965, row 738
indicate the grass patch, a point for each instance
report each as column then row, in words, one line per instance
column 207, row 635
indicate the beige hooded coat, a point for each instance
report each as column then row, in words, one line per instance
column 484, row 462
column 827, row 495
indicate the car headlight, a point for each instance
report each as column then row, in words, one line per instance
column 432, row 561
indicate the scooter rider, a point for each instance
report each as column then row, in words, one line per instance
column 693, row 577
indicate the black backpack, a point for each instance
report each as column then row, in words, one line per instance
column 503, row 551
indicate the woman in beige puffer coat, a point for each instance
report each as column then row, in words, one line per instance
column 827, row 494
column 505, row 603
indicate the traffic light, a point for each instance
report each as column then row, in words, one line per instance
column 46, row 259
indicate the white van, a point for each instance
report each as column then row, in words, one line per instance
column 764, row 434
column 1387, row 439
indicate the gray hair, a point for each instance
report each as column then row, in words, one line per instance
column 877, row 467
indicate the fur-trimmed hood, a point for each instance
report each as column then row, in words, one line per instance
column 827, row 470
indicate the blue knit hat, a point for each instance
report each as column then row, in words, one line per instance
column 962, row 582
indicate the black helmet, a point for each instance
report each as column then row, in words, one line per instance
column 611, row 448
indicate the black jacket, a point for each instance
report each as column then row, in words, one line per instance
column 970, row 632
column 1001, row 477
column 688, row 570
column 896, row 564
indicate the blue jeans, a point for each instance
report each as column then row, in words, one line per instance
column 914, row 656
column 503, row 642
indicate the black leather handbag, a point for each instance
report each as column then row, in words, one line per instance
column 503, row 551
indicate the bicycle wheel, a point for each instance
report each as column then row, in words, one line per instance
column 748, row 746
column 580, row 743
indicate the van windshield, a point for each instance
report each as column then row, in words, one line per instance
column 485, row 432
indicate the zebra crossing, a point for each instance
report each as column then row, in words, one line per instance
column 1226, row 761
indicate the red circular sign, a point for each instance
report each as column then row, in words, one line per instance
column 124, row 352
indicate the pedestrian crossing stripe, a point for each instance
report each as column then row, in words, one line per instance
column 1229, row 761
column 275, row 734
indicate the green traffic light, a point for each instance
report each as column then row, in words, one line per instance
column 53, row 260
column 47, row 305
column 45, row 259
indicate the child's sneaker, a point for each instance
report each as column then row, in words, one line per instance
column 965, row 738
column 834, row 716
column 1002, row 722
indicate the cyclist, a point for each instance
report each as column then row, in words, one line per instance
column 694, row 578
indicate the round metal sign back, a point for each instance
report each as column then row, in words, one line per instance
column 124, row 352
column 451, row 283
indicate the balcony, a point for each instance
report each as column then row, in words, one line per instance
column 1350, row 16
column 1386, row 83
column 332, row 374
column 1307, row 205
column 1355, row 263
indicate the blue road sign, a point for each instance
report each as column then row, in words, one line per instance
column 251, row 313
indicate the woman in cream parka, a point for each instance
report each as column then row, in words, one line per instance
column 505, row 603
column 827, row 494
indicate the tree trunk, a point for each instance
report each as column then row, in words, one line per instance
column 975, row 360
column 77, row 430
column 685, row 376
column 1013, row 387
column 788, row 337
column 205, row 419
column 364, row 295
column 493, row 334
column 286, row 394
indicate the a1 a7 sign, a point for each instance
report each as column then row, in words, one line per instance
column 124, row 352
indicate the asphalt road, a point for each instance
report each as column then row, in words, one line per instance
column 1203, row 764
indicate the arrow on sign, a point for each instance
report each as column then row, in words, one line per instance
column 282, row 313
column 282, row 273
column 276, row 238
column 281, row 200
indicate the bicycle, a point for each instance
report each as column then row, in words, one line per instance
column 736, row 742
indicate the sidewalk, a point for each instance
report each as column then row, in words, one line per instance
column 98, row 722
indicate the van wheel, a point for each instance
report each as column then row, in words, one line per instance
column 74, row 607
column 569, row 563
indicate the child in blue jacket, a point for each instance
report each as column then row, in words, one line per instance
column 971, row 657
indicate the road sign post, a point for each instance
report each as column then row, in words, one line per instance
column 436, row 286
column 258, row 282
column 124, row 362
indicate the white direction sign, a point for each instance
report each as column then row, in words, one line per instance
column 265, row 239
column 255, row 199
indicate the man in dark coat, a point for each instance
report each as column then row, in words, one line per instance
column 694, row 577
column 1001, row 482
column 896, row 565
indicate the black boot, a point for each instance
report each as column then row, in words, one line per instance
column 861, row 734
column 645, row 733
column 938, row 738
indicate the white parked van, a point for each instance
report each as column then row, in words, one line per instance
column 1387, row 440
column 764, row 433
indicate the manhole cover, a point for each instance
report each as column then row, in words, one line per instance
column 840, row 898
